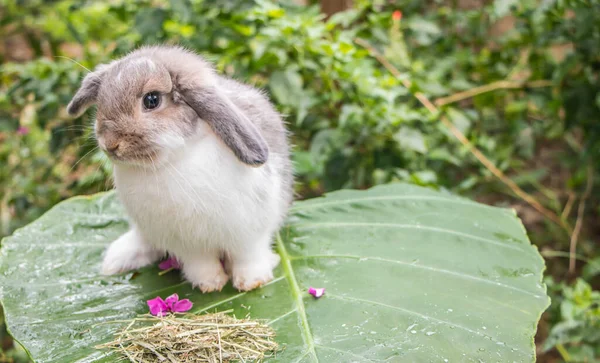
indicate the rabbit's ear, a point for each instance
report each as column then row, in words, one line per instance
column 229, row 123
column 87, row 93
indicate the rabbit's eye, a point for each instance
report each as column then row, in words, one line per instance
column 151, row 100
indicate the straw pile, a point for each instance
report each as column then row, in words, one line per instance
column 194, row 338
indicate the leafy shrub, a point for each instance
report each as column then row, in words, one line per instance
column 577, row 329
column 40, row 150
column 354, row 125
column 576, row 25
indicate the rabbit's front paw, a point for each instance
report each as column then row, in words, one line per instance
column 128, row 252
column 206, row 274
column 251, row 274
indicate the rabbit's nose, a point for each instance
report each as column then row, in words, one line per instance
column 112, row 147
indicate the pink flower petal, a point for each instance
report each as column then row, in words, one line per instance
column 22, row 130
column 157, row 306
column 170, row 262
column 171, row 301
column 316, row 292
column 165, row 265
column 182, row 306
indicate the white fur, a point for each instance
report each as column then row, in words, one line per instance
column 127, row 253
column 150, row 65
column 199, row 203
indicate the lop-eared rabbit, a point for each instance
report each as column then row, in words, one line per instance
column 201, row 164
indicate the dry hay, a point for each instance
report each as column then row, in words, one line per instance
column 194, row 338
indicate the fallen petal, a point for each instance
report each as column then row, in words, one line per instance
column 165, row 265
column 182, row 306
column 158, row 306
column 316, row 292
column 169, row 263
column 171, row 301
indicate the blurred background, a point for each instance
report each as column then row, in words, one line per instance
column 513, row 118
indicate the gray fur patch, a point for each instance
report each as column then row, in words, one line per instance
column 229, row 123
column 86, row 95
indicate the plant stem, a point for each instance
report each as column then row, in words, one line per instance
column 580, row 211
column 442, row 101
column 563, row 352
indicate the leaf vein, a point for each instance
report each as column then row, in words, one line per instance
column 282, row 316
column 406, row 226
column 295, row 289
column 306, row 206
column 345, row 352
column 426, row 317
column 423, row 267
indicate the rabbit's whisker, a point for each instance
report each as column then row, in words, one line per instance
column 74, row 61
column 81, row 158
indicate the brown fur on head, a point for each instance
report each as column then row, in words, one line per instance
column 188, row 92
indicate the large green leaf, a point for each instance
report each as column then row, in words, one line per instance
column 411, row 275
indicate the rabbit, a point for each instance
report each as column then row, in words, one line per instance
column 201, row 164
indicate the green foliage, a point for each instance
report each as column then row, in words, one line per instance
column 577, row 23
column 411, row 275
column 577, row 331
column 39, row 150
column 354, row 125
column 16, row 355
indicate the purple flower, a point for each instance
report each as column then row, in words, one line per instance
column 172, row 304
column 178, row 306
column 158, row 307
column 22, row 130
column 169, row 263
column 316, row 292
